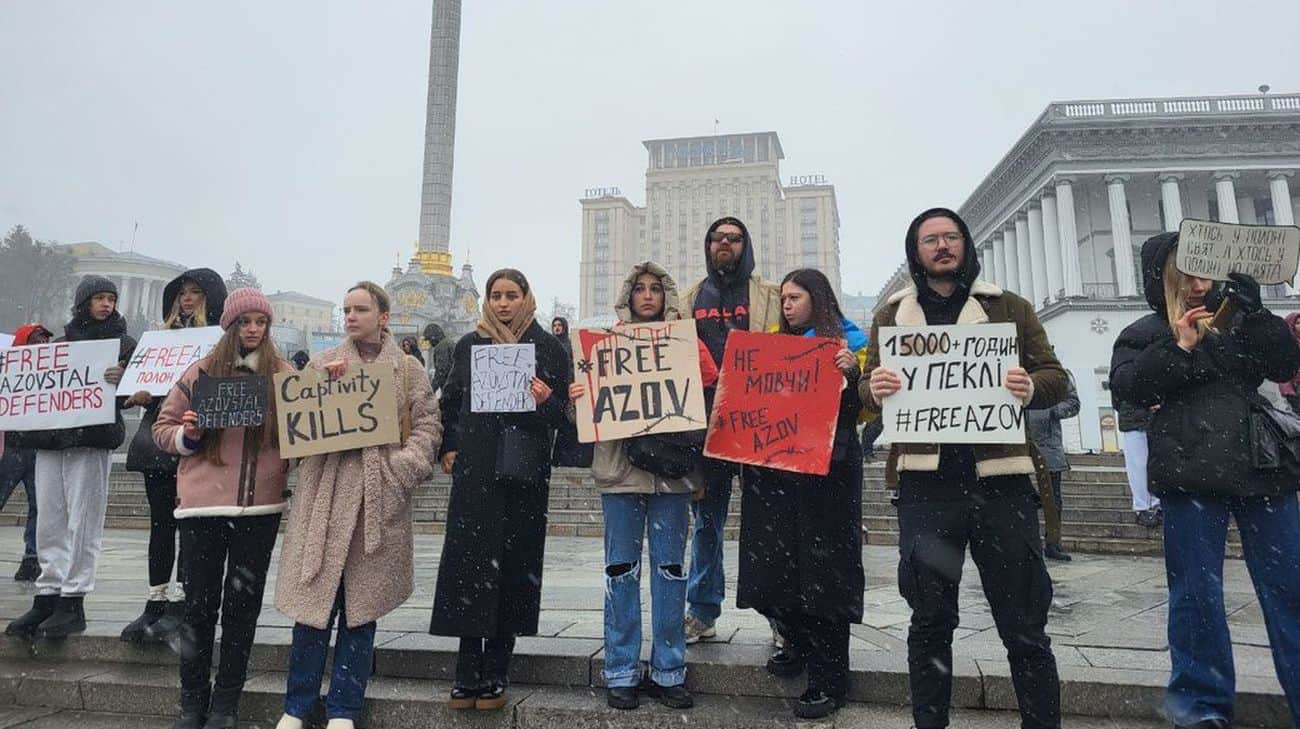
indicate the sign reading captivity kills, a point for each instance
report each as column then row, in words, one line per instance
column 318, row 415
column 777, row 402
column 953, row 384
column 162, row 357
column 61, row 385
column 229, row 402
column 501, row 378
column 1267, row 253
column 641, row 379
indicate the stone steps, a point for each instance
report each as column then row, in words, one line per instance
column 562, row 679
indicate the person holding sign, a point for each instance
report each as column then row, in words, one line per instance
column 801, row 534
column 72, row 468
column 231, row 488
column 956, row 494
column 1207, row 462
column 18, row 465
column 348, row 551
column 196, row 298
column 635, row 500
column 490, row 575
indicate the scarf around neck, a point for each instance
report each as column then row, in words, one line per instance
column 490, row 327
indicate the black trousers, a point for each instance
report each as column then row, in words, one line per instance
column 484, row 661
column 227, row 559
column 160, row 488
column 1001, row 526
column 823, row 643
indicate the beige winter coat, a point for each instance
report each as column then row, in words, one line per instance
column 350, row 519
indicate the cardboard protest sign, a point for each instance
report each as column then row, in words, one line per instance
column 777, row 402
column 501, row 378
column 1267, row 253
column 316, row 415
column 640, row 378
column 6, row 340
column 47, row 386
column 229, row 402
column 162, row 357
column 954, row 387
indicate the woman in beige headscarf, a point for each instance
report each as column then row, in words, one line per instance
column 490, row 576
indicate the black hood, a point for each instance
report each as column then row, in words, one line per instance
column 564, row 324
column 744, row 269
column 433, row 333
column 970, row 267
column 214, row 292
column 1154, row 254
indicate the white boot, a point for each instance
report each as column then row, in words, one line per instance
column 289, row 722
column 340, row 724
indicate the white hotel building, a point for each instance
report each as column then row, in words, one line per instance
column 1062, row 217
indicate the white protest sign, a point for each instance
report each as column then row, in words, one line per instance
column 1267, row 253
column 501, row 377
column 6, row 340
column 61, row 385
column 162, row 357
column 953, row 384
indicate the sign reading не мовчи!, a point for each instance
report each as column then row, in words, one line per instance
column 954, row 384
column 1267, row 253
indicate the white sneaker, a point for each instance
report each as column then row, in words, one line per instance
column 698, row 630
column 340, row 724
column 289, row 722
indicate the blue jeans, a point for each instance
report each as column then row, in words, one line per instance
column 1202, row 684
column 19, row 464
column 706, row 587
column 627, row 517
column 354, row 651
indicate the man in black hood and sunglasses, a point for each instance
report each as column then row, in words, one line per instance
column 731, row 297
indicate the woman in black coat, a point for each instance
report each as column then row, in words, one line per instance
column 800, row 534
column 489, row 585
column 1201, row 466
column 196, row 298
column 568, row 451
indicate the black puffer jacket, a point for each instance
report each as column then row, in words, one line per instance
column 1199, row 439
column 144, row 455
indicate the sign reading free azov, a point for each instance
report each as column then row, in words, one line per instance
column 954, row 387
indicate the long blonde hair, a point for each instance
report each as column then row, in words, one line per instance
column 1177, row 284
column 198, row 319
column 220, row 362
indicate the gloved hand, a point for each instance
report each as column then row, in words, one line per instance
column 1244, row 291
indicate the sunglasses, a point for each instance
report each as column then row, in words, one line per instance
column 717, row 237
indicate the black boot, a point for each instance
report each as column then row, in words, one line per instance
column 1054, row 551
column 621, row 697
column 162, row 629
column 189, row 719
column 815, row 704
column 68, row 618
column 785, row 663
column 42, row 608
column 194, row 710
column 674, row 697
column 135, row 632
column 225, row 709
column 28, row 571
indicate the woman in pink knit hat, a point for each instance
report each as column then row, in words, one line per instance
column 230, row 494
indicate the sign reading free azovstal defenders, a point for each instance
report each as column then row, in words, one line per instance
column 641, row 378
column 1267, row 253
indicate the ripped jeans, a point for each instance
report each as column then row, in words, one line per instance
column 627, row 517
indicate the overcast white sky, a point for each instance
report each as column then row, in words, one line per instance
column 288, row 135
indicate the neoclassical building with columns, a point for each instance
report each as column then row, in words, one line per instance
column 140, row 280
column 1062, row 217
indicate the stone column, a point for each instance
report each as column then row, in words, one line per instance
column 1225, row 188
column 1073, row 279
column 1279, row 190
column 1121, row 235
column 1172, row 200
column 126, row 295
column 1246, row 210
column 1038, row 254
column 990, row 262
column 1052, row 245
column 1000, row 256
column 1026, row 255
column 1012, row 247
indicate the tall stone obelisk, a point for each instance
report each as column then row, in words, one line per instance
column 434, row 252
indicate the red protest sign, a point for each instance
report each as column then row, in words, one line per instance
column 777, row 402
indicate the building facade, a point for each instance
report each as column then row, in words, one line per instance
column 690, row 182
column 1062, row 218
column 140, row 281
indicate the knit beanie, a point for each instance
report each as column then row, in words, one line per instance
column 243, row 301
column 89, row 286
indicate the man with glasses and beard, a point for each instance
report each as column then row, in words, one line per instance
column 731, row 297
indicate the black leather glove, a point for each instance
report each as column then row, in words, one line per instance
column 1244, row 291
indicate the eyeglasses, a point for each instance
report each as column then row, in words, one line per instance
column 949, row 238
column 718, row 237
